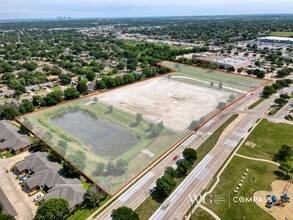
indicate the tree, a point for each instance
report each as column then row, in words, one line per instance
column 38, row 145
column 111, row 167
column 36, row 100
column 193, row 125
column 190, row 154
column 93, row 196
column 285, row 153
column 8, row 112
column 65, row 79
column 221, row 105
column 26, row 106
column 110, row 109
column 287, row 167
column 100, row 84
column 30, row 66
column 161, row 125
column 182, row 167
column 124, row 213
column 165, row 185
column 155, row 132
column 71, row 93
column 4, row 216
column 170, row 171
column 100, row 167
column 121, row 166
column 82, row 87
column 280, row 101
column 138, row 118
column 78, row 159
column 51, row 208
column 220, row 85
column 54, row 157
column 70, row 171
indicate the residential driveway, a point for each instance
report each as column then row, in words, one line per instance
column 21, row 202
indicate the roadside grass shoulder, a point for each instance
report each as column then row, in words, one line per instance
column 268, row 137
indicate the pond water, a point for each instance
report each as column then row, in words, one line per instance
column 105, row 139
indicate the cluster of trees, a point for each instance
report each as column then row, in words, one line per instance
column 284, row 72
column 51, row 209
column 166, row 184
column 279, row 84
column 282, row 100
column 118, row 168
column 284, row 155
column 109, row 82
column 93, row 197
column 257, row 72
column 9, row 111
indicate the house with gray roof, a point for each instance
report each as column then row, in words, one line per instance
column 11, row 139
column 35, row 163
column 5, row 91
column 73, row 193
column 47, row 85
column 7, row 206
column 46, row 175
column 32, row 88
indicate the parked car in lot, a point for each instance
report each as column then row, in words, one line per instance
column 38, row 197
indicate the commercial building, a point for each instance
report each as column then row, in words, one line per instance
column 236, row 62
column 273, row 39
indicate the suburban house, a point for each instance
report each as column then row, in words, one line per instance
column 5, row 91
column 32, row 88
column 47, row 175
column 11, row 139
column 35, row 163
column 47, row 85
column 7, row 206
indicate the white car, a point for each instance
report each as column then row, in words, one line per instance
column 38, row 197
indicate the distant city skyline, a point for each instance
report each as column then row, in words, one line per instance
column 18, row 9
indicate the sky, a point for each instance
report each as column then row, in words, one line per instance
column 10, row 9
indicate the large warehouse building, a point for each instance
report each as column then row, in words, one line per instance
column 272, row 39
column 236, row 62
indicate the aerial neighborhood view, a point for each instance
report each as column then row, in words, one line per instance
column 137, row 110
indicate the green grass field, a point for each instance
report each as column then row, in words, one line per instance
column 136, row 159
column 205, row 77
column 260, row 175
column 268, row 137
column 282, row 34
column 201, row 214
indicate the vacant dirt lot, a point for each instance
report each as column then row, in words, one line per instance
column 161, row 99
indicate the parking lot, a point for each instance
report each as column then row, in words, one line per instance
column 21, row 202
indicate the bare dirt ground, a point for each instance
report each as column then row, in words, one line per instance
column 161, row 99
column 278, row 212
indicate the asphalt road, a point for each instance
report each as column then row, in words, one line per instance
column 139, row 191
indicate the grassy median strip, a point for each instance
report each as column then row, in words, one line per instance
column 256, row 103
column 152, row 203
